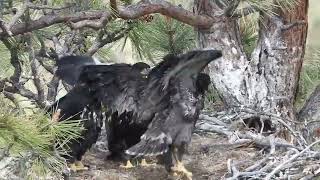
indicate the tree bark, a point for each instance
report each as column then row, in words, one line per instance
column 267, row 81
column 310, row 113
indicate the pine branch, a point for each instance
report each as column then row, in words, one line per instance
column 13, row 84
column 48, row 20
column 165, row 8
column 101, row 41
column 130, row 12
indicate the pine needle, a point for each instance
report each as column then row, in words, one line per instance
column 34, row 139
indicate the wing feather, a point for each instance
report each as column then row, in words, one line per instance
column 155, row 141
column 117, row 86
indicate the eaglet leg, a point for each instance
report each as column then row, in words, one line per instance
column 178, row 168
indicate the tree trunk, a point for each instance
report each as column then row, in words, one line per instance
column 310, row 113
column 266, row 81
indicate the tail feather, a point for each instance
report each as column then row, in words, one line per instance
column 151, row 145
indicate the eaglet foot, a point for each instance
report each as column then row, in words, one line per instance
column 80, row 166
column 77, row 166
column 127, row 166
column 145, row 164
column 179, row 169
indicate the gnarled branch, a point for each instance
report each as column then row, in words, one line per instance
column 167, row 9
column 48, row 20
column 130, row 12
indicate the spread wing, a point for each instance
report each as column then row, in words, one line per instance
column 116, row 86
column 111, row 85
column 70, row 67
column 156, row 140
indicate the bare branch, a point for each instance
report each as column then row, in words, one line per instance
column 258, row 164
column 91, row 24
column 35, row 73
column 274, row 171
column 65, row 45
column 130, row 12
column 165, row 8
column 51, row 19
column 235, row 136
column 288, row 158
column 27, row 5
column 215, row 120
column 14, row 80
column 42, row 53
column 47, row 67
column 25, row 92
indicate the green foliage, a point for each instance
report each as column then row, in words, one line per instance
column 249, row 33
column 212, row 99
column 249, row 24
column 161, row 36
column 269, row 6
column 36, row 141
column 309, row 76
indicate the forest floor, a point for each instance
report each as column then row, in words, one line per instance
column 207, row 160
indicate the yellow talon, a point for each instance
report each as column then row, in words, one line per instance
column 180, row 169
column 80, row 166
column 77, row 166
column 127, row 166
column 73, row 167
column 145, row 164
